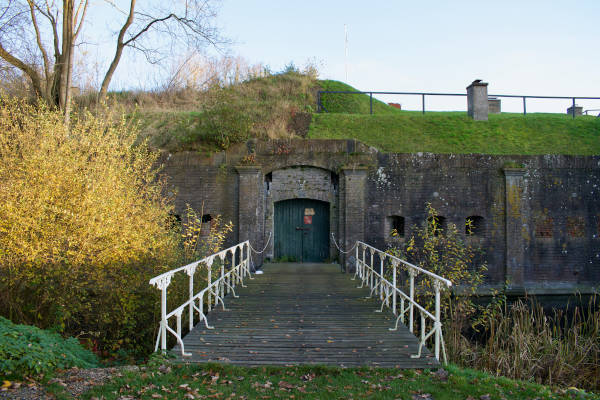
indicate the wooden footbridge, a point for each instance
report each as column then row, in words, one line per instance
column 303, row 314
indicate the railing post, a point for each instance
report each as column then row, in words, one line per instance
column 364, row 277
column 178, row 315
column 381, row 278
column 356, row 272
column 371, row 103
column 222, row 284
column 209, row 280
column 437, row 322
column 247, row 269
column 524, row 105
column 573, row 108
column 411, row 273
column 231, row 279
column 163, row 284
column 372, row 285
column 395, row 266
column 423, row 102
column 190, row 272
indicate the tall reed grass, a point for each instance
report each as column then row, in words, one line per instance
column 522, row 341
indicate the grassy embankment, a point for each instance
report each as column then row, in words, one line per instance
column 281, row 106
column 392, row 130
column 316, row 382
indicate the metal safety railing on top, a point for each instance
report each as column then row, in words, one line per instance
column 389, row 291
column 213, row 293
column 320, row 94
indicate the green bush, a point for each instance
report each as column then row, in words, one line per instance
column 27, row 350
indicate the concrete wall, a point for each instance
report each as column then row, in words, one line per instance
column 541, row 220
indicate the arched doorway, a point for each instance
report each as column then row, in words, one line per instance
column 301, row 230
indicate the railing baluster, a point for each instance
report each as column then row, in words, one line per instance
column 381, row 277
column 214, row 290
column 437, row 323
column 222, row 284
column 411, row 274
column 163, row 284
column 179, row 324
column 402, row 310
column 422, row 328
column 371, row 270
column 190, row 272
column 394, row 294
column 369, row 276
column 209, row 280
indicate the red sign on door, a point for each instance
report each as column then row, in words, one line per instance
column 308, row 219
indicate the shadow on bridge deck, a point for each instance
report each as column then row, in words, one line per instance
column 303, row 314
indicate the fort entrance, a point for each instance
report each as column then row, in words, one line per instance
column 301, row 230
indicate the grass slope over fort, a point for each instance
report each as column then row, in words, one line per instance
column 284, row 105
column 395, row 131
column 455, row 132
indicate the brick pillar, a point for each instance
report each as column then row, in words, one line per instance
column 477, row 100
column 353, row 211
column 250, row 210
column 518, row 214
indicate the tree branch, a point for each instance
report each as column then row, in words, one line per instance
column 31, row 73
column 80, row 24
column 38, row 39
column 118, row 51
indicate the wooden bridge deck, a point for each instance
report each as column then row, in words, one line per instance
column 303, row 314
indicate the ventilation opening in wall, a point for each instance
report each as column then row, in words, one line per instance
column 474, row 226
column 395, row 224
column 436, row 225
column 205, row 227
column 544, row 227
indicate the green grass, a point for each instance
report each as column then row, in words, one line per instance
column 350, row 103
column 455, row 132
column 316, row 382
column 265, row 108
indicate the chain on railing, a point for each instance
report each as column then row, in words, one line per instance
column 389, row 292
column 213, row 292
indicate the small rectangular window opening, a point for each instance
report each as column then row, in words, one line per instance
column 474, row 226
column 396, row 226
column 544, row 228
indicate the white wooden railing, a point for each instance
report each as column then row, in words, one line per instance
column 213, row 293
column 389, row 292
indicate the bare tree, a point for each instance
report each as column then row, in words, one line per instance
column 39, row 36
column 23, row 44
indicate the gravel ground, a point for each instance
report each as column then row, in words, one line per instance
column 76, row 381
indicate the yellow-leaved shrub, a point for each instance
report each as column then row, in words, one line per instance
column 84, row 224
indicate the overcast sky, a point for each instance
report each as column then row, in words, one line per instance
column 534, row 47
column 530, row 47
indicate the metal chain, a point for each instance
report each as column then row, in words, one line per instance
column 263, row 250
column 338, row 247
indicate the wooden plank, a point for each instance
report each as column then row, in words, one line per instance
column 303, row 314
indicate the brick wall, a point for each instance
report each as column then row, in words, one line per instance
column 542, row 221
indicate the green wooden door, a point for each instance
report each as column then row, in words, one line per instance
column 302, row 230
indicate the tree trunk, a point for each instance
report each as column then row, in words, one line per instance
column 118, row 52
column 67, row 59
